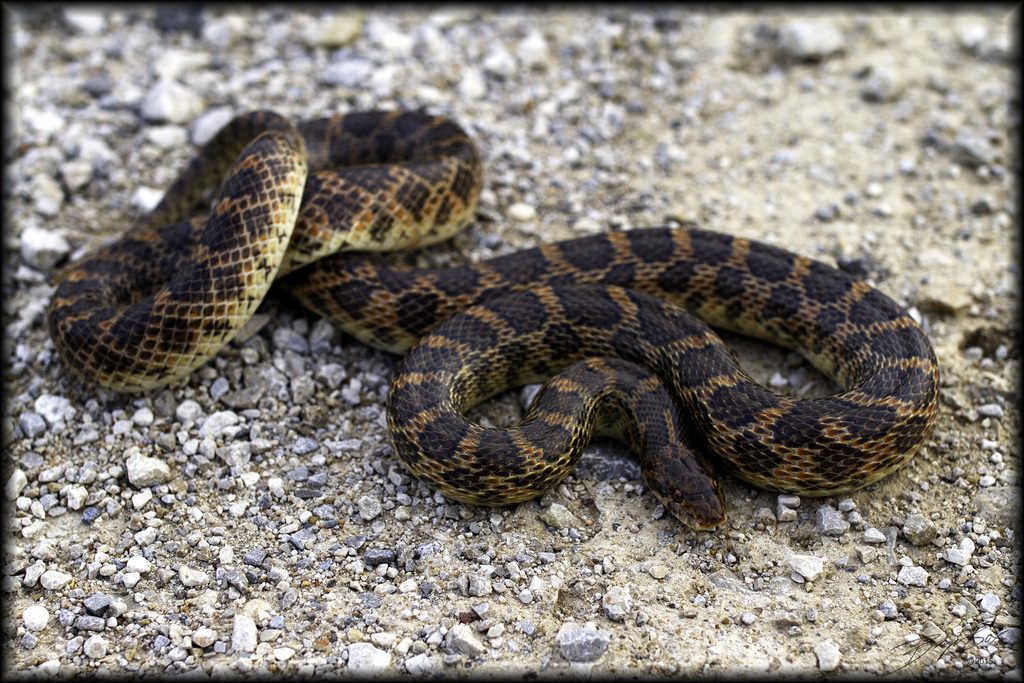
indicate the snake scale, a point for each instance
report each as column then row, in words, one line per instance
column 602, row 316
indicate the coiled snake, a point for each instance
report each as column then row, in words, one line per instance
column 604, row 309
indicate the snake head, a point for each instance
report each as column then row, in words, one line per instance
column 685, row 483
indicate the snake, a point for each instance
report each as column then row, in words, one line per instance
column 618, row 325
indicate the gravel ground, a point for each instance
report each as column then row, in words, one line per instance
column 255, row 519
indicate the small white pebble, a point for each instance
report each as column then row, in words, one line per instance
column 521, row 212
column 35, row 617
column 95, row 647
column 204, row 637
column 243, row 634
column 54, row 580
column 192, row 577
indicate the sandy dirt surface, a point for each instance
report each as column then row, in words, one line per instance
column 254, row 519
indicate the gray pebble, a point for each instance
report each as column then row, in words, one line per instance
column 829, row 522
column 238, row 579
column 32, row 425
column 972, row 149
column 43, row 249
column 726, row 580
column 208, row 124
column 786, row 507
column 478, row 586
column 302, row 539
column 331, row 374
column 365, row 660
column 883, row 85
column 53, row 580
column 991, row 410
column 95, row 647
column 90, row 623
column 807, row 566
column 989, row 603
column 369, row 507
column 243, row 634
column 305, row 445
column 912, row 576
column 427, row 549
column 299, row 474
column 16, row 483
column 285, row 338
column 582, row 644
column 254, row 557
column 419, row 665
column 1010, row 636
column 242, row 399
column 370, row 600
column 144, row 471
column 960, row 555
column 188, row 410
column 999, row 504
column 558, row 516
column 763, row 515
column 919, row 530
column 76, row 174
column 533, row 51
column 192, row 577
column 84, row 20
column 323, row 334
column 217, row 423
column 97, row 603
column 47, row 199
column 169, row 101
column 810, row 39
column 145, row 537
column 828, row 655
column 204, row 637
column 461, row 638
column 235, row 455
column 617, row 603
column 351, row 392
column 933, row 632
column 984, row 636
column 873, row 535
column 334, row 32
column 54, row 409
column 499, row 63
column 303, row 388
column 376, row 556
column 347, row 73
column 219, row 387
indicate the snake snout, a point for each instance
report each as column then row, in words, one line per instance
column 685, row 483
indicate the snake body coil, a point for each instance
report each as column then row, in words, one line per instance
column 605, row 308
